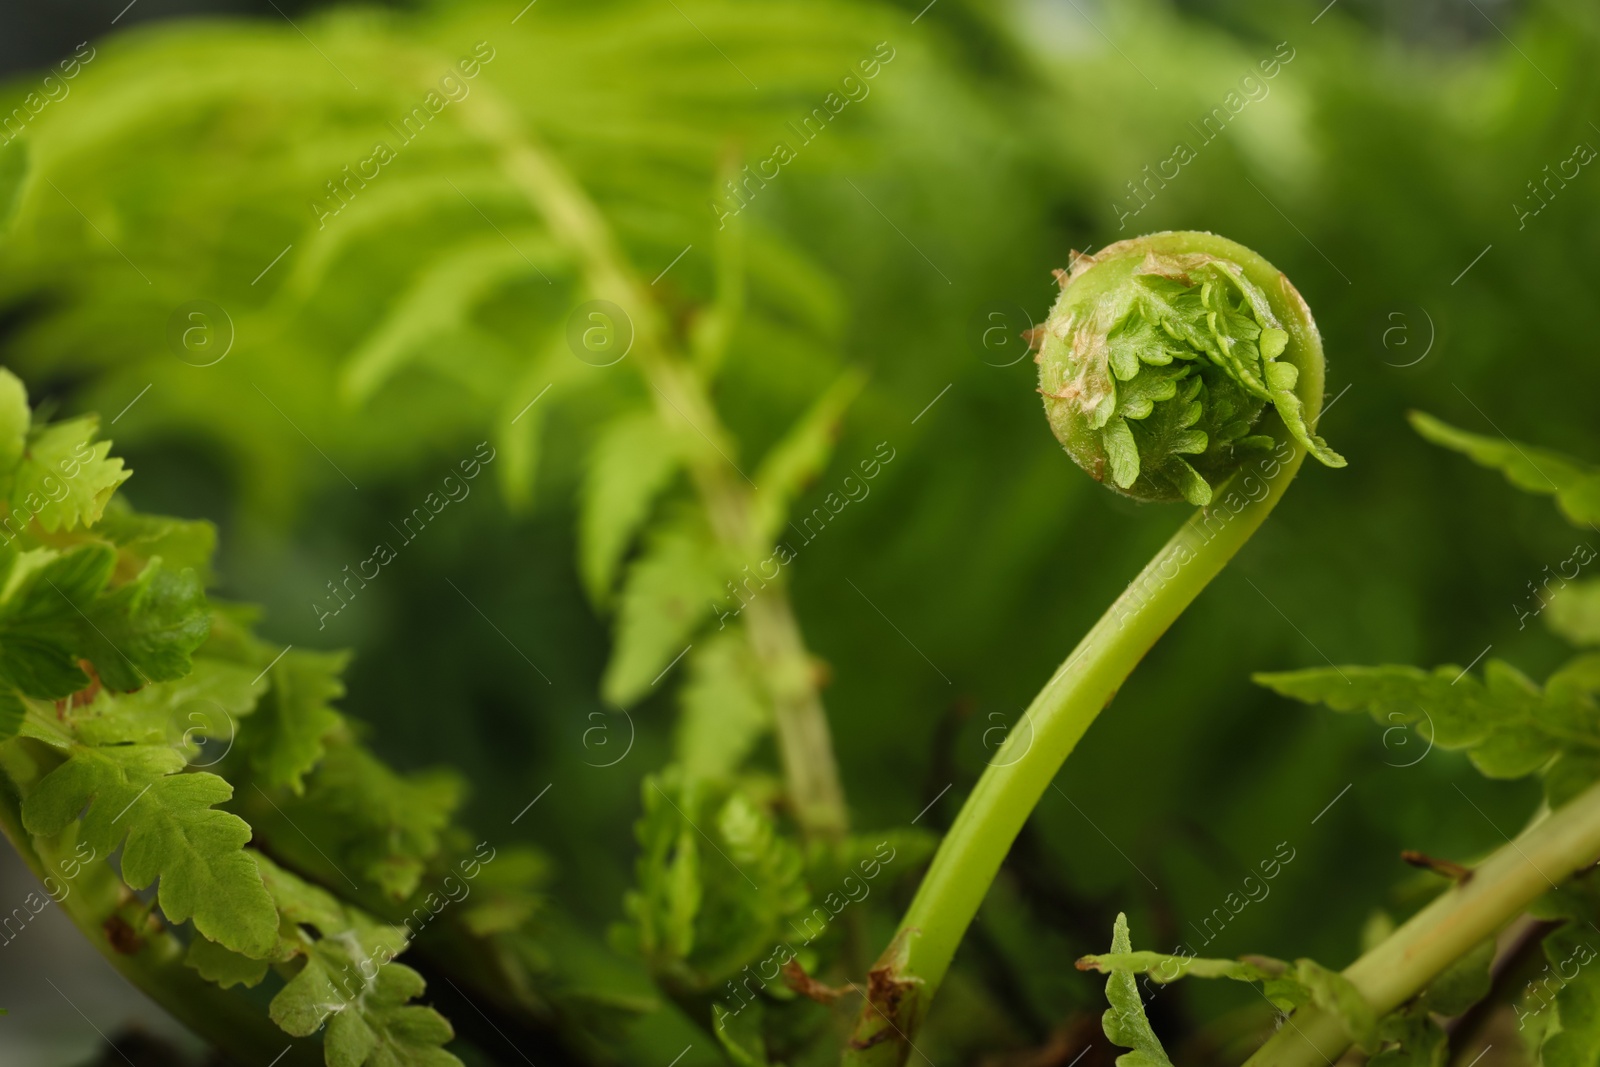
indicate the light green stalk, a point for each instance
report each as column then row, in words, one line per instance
column 1463, row 917
column 909, row 973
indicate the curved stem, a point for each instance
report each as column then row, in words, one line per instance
column 1462, row 918
column 804, row 740
column 971, row 853
column 909, row 972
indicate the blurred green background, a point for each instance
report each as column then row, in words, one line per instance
column 1385, row 167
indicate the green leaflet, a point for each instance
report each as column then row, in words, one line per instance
column 1507, row 724
column 705, row 906
column 367, row 819
column 724, row 706
column 1124, row 1021
column 1333, row 993
column 1575, row 614
column 802, row 454
column 55, row 609
column 172, row 833
column 39, row 625
column 1561, row 1004
column 441, row 299
column 1411, row 1039
column 633, row 461
column 144, row 630
column 287, row 738
column 348, row 981
column 181, row 544
column 1288, row 987
column 668, row 594
column 1575, row 484
column 223, row 966
column 1279, row 981
column 65, row 478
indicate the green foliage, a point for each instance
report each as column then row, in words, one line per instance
column 716, row 883
column 1575, row 614
column 1509, row 726
column 965, row 144
column 725, row 707
column 172, row 832
column 1125, row 1022
column 347, row 981
column 1574, row 484
column 297, row 716
column 175, row 707
column 668, row 593
column 632, row 462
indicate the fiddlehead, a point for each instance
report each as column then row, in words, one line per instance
column 1250, row 476
column 1158, row 361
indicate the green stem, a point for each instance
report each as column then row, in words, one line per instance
column 682, row 402
column 1463, row 917
column 909, row 973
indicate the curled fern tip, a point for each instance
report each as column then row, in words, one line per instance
column 1161, row 356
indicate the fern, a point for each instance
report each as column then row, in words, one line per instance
column 134, row 710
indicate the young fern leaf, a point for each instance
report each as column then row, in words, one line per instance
column 1509, row 726
column 802, row 454
column 669, row 592
column 695, row 920
column 348, row 981
column 631, row 464
column 725, row 707
column 1125, row 1022
column 288, row 736
column 1575, row 484
column 1156, row 366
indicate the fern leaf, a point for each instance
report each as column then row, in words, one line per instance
column 632, row 463
column 173, row 832
column 725, row 708
column 440, row 299
column 1125, row 1022
column 288, row 735
column 1575, row 484
column 668, row 594
column 1508, row 726
column 66, row 477
column 348, row 981
column 801, row 455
